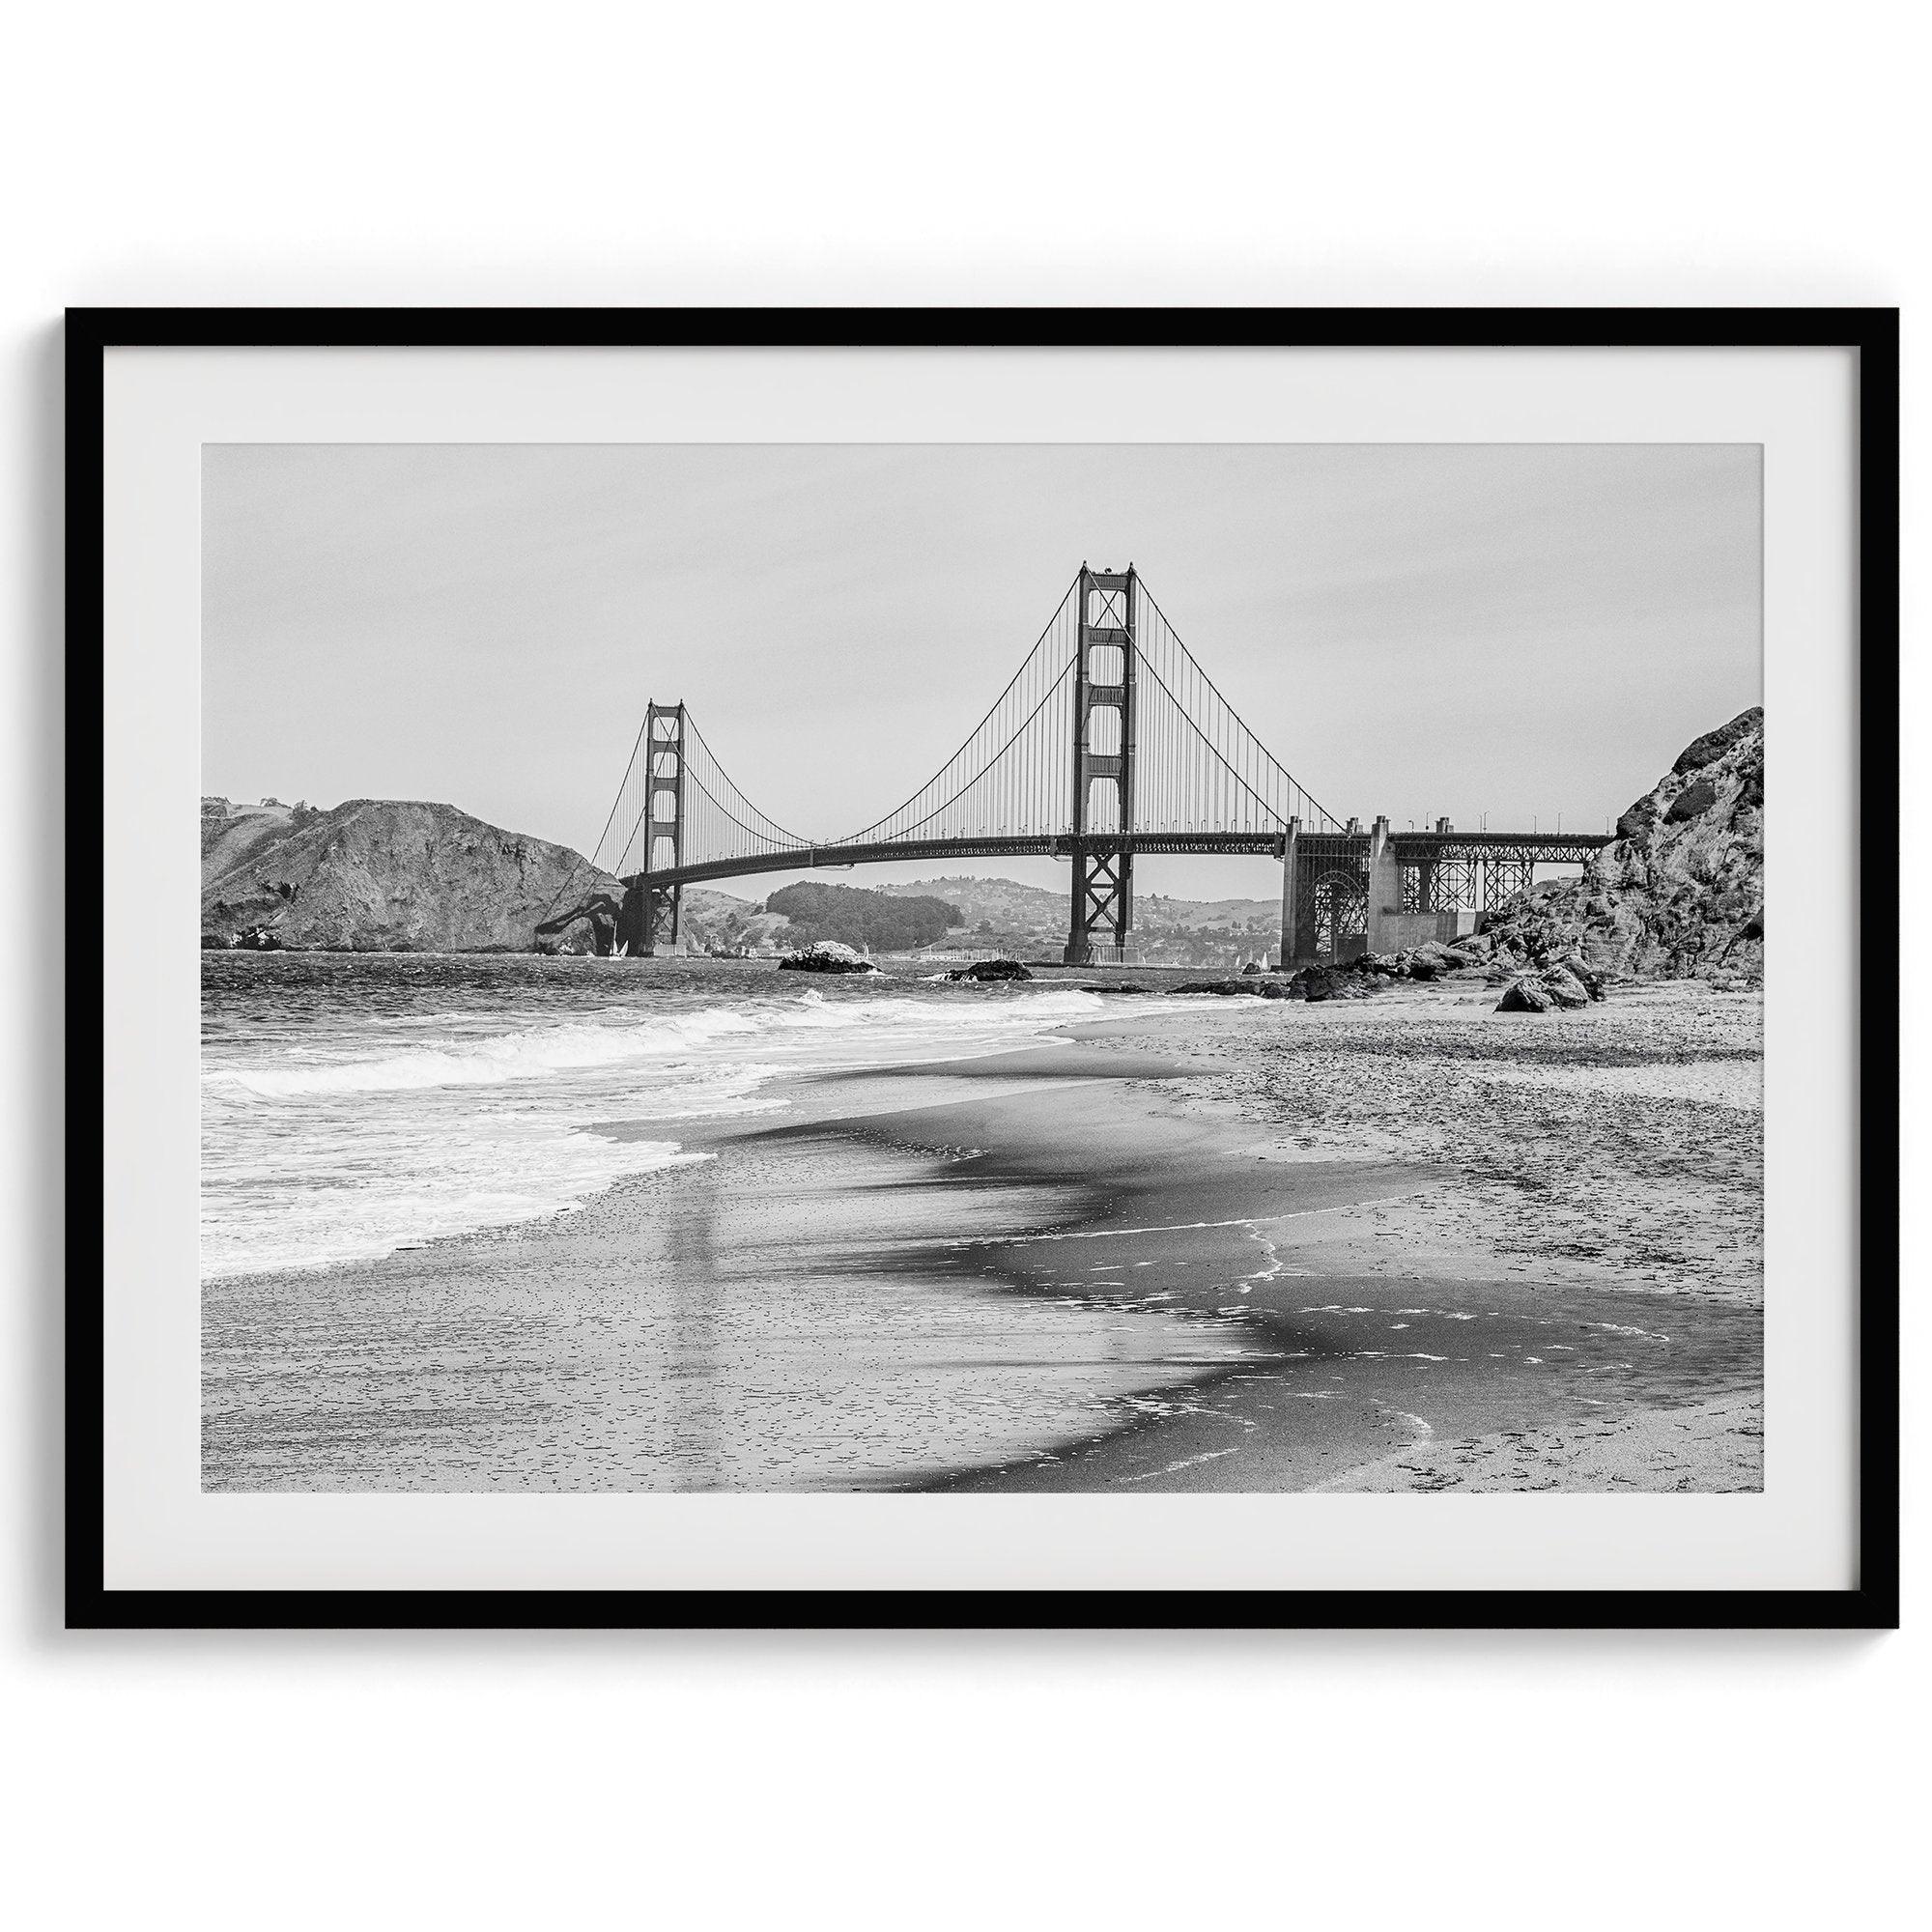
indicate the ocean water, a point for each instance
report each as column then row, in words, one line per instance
column 762, row 1316
column 355, row 1105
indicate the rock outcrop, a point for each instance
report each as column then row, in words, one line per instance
column 1680, row 895
column 378, row 875
column 985, row 970
column 826, row 956
column 1355, row 981
column 1565, row 984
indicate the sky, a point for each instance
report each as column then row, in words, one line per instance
column 1521, row 630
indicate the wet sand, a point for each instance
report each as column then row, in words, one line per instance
column 1378, row 1357
column 763, row 1318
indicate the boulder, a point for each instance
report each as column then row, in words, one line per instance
column 1592, row 981
column 826, row 955
column 991, row 969
column 1524, row 996
column 1563, row 988
column 1221, row 986
column 1333, row 982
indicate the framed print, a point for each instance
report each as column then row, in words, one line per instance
column 1034, row 967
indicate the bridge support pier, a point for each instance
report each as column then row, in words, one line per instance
column 1287, row 958
column 1385, row 887
column 632, row 922
column 1104, row 903
column 664, row 911
column 663, row 828
column 1105, row 672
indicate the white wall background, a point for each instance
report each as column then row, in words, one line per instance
column 623, row 153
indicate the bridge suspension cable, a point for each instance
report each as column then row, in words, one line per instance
column 1013, row 775
column 627, row 813
column 718, row 820
column 1197, row 767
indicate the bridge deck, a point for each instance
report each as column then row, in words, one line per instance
column 1409, row 847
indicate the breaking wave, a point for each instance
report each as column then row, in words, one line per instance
column 340, row 1130
column 494, row 1060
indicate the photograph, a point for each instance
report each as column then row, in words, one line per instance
column 1047, row 978
column 1009, row 967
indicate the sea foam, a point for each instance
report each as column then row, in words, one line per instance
column 339, row 1135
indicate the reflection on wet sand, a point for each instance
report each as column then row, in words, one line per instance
column 764, row 1320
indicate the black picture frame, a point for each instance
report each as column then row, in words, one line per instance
column 1872, row 1604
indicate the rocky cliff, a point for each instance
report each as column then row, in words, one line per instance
column 378, row 875
column 1680, row 895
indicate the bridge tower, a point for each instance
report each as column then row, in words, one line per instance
column 653, row 923
column 1104, row 673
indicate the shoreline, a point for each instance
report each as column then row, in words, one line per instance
column 1436, row 1373
column 1241, row 1258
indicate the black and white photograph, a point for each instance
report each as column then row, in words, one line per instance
column 1116, row 969
column 965, row 972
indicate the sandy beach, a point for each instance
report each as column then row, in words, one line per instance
column 1458, row 1271
column 1404, row 1243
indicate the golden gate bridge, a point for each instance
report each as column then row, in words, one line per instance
column 1109, row 743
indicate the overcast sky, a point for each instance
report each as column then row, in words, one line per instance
column 1517, row 630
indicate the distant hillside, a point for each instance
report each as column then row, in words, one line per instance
column 1681, row 893
column 378, row 875
column 857, row 916
column 717, row 922
column 1159, row 913
column 1004, row 902
column 1031, row 920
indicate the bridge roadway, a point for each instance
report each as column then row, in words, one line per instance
column 1405, row 847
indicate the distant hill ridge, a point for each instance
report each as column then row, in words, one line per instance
column 1006, row 900
column 376, row 876
column 1680, row 891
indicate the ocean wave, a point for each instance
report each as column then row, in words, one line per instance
column 535, row 1053
column 490, row 1060
column 407, row 1191
column 327, row 1141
